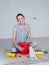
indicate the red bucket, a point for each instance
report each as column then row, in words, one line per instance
column 25, row 46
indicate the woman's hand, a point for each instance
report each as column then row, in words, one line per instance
column 19, row 48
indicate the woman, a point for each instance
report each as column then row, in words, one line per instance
column 21, row 32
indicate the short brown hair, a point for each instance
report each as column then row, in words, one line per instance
column 19, row 15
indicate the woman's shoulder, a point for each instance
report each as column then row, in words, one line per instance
column 16, row 25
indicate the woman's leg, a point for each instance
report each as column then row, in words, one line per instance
column 30, row 44
column 33, row 44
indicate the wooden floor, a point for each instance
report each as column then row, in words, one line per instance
column 43, row 43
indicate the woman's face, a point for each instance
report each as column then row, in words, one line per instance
column 21, row 19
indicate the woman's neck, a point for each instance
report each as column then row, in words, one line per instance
column 22, row 24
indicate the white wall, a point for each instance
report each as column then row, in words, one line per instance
column 31, row 9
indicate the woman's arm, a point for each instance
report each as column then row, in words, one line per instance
column 14, row 36
column 29, row 32
column 14, row 39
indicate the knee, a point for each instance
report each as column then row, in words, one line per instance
column 13, row 49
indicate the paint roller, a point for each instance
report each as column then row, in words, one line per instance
column 11, row 54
